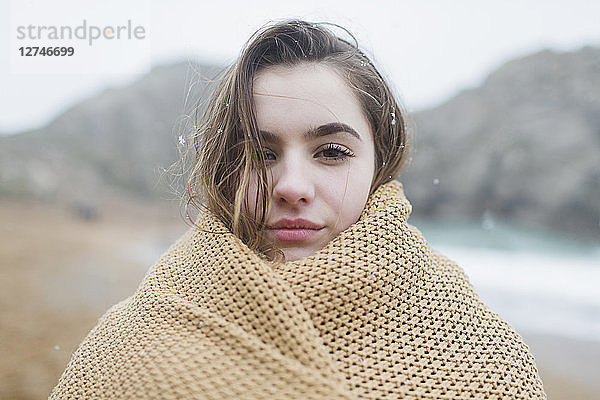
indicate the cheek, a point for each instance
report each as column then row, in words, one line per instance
column 251, row 199
column 347, row 197
column 358, row 192
column 354, row 205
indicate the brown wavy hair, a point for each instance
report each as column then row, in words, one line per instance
column 226, row 140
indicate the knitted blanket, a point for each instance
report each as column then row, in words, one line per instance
column 376, row 314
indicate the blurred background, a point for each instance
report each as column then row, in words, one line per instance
column 504, row 99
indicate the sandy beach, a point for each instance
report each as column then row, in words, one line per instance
column 59, row 272
column 569, row 368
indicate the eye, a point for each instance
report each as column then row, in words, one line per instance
column 268, row 155
column 335, row 152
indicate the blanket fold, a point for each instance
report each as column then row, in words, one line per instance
column 375, row 314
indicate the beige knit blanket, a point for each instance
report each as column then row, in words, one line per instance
column 376, row 314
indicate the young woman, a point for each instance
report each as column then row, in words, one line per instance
column 301, row 278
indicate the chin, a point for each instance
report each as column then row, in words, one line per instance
column 297, row 254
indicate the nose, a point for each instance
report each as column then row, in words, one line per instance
column 292, row 183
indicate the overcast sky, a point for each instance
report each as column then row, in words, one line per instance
column 429, row 49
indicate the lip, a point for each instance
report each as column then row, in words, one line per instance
column 294, row 230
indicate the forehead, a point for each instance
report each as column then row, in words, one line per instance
column 304, row 78
column 305, row 94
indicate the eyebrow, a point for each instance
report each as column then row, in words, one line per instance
column 323, row 130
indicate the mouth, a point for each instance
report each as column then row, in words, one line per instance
column 294, row 230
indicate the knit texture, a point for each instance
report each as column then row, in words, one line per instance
column 376, row 314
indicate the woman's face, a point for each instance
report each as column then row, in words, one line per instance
column 319, row 152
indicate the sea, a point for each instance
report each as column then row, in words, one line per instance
column 540, row 282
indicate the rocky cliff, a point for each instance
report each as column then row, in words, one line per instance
column 524, row 146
